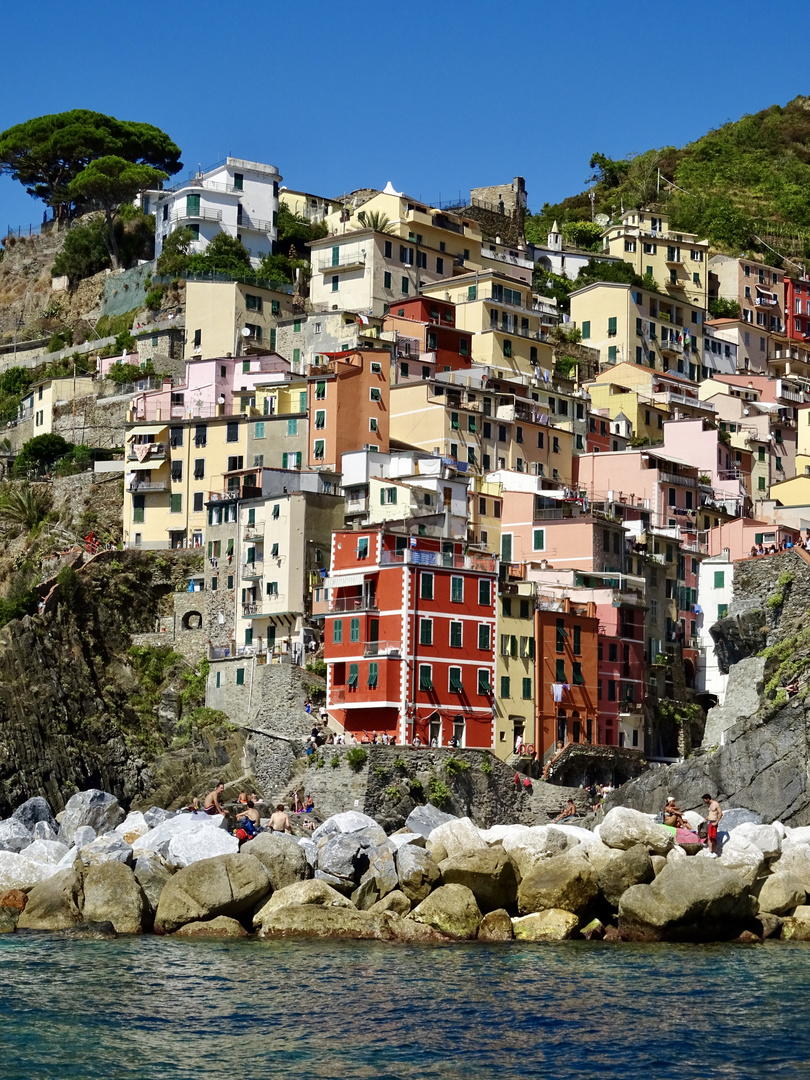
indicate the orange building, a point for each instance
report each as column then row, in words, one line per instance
column 566, row 693
column 348, row 404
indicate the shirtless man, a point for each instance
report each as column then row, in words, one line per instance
column 252, row 814
column 211, row 805
column 279, row 822
column 569, row 811
column 713, row 819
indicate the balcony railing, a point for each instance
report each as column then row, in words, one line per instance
column 156, row 450
column 381, row 648
column 678, row 284
column 201, row 214
column 253, row 570
column 244, row 221
column 345, row 262
column 437, row 558
column 353, row 603
column 139, row 486
column 674, row 478
column 254, row 532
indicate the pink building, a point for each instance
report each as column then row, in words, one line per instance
column 666, row 486
column 214, row 387
column 698, row 442
column 743, row 534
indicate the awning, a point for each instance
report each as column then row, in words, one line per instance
column 135, row 466
column 343, row 582
column 146, row 429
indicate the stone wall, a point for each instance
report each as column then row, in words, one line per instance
column 271, row 697
column 124, row 290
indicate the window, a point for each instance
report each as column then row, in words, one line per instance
column 484, row 592
column 388, row 249
column 507, row 348
column 722, row 611
column 439, row 266
column 426, row 586
column 483, row 636
column 527, row 689
column 612, row 326
column 456, row 635
column 538, row 539
column 176, row 504
column 354, row 630
column 425, row 677
column 457, row 590
column 335, row 282
column 456, row 685
column 232, row 432
column 586, row 329
column 320, row 449
column 252, row 303
column 505, row 687
column 405, row 285
column 320, row 419
column 354, row 673
column 578, row 678
column 425, row 631
column 373, row 674
column 577, row 641
column 761, row 483
column 719, row 579
column 375, row 394
column 198, row 502
column 177, row 471
column 484, row 685
column 337, row 631
column 240, row 676
column 138, row 507
column 362, row 547
column 463, row 347
column 559, row 674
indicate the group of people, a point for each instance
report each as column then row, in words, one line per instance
column 673, row 816
column 784, row 545
column 248, row 820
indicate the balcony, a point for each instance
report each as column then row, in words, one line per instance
column 766, row 301
column 677, row 286
column 139, row 487
column 254, row 532
column 342, row 604
column 156, row 451
column 201, row 214
column 253, row 570
column 437, row 558
column 249, row 224
column 672, row 347
column 356, row 506
column 675, row 478
column 344, row 263
column 674, row 258
column 382, row 648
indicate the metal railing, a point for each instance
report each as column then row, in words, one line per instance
column 253, row 569
column 245, row 221
column 353, row 603
column 438, row 558
column 202, row 214
column 381, row 648
column 136, row 487
column 345, row 260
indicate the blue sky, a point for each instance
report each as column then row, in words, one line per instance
column 436, row 97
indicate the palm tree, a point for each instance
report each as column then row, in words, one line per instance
column 24, row 504
column 376, row 220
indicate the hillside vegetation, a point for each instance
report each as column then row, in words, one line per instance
column 745, row 185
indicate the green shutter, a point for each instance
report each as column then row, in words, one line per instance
column 337, row 632
column 586, row 329
column 527, row 688
column 505, row 687
column 612, row 326
column 240, row 676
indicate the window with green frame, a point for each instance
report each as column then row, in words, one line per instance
column 354, row 673
column 320, row 449
column 456, row 635
column 456, row 685
column 176, row 504
column 527, row 689
column 320, row 418
column 506, row 690
column 719, row 579
column 425, row 631
column 258, row 430
column 292, row 426
column 577, row 640
column 484, row 685
column 483, row 636
column 425, row 677
column 337, row 631
column 578, row 678
column 454, row 424
column 586, row 329
column 249, row 636
column 354, row 630
column 240, row 676
column 539, row 539
column 507, row 348
column 372, row 674
column 559, row 674
column 560, row 635
column 456, row 590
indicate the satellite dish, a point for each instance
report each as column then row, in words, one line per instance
column 245, row 332
column 602, row 219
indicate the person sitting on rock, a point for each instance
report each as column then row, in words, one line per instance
column 242, row 800
column 309, row 805
column 279, row 822
column 250, row 823
column 569, row 812
column 211, row 805
column 673, row 815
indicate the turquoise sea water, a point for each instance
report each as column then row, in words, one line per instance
column 152, row 1008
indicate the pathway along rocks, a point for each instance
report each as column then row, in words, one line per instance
column 437, row 881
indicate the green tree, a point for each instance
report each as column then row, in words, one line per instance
column 26, row 505
column 173, row 259
column 376, row 220
column 83, row 253
column 296, row 229
column 47, row 153
column 106, row 183
column 39, row 452
column 609, row 173
column 224, row 255
column 724, row 309
column 598, row 270
column 555, row 285
column 582, row 234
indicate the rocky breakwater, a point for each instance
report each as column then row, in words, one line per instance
column 438, row 880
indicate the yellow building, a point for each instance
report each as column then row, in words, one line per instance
column 312, row 207
column 484, row 513
column 611, row 399
column 218, row 313
column 508, row 329
column 677, row 261
column 630, row 325
column 39, row 403
column 171, row 467
column 514, row 671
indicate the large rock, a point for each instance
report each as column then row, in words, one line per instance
column 623, row 827
column 691, row 900
column 33, row 811
column 199, row 844
column 18, row 872
column 152, row 872
column 283, row 857
column 105, row 849
column 225, row 885
column 350, row 821
column 766, row 837
column 626, row 868
column 84, row 835
column 794, row 860
column 457, row 837
column 796, row 927
column 488, row 874
column 95, row 808
column 565, row 881
column 155, row 816
column 496, row 926
column 133, row 826
column 343, row 857
column 314, row 892
column 781, row 893
column 417, row 871
column 55, row 904
column 743, row 857
column 310, row 920
column 160, row 837
column 220, row 927
column 112, row 894
column 45, row 851
column 45, row 830
column 12, row 905
column 395, row 903
column 424, row 819
column 736, row 816
column 529, row 847
column 14, row 836
column 379, row 880
column 399, row 839
column 450, row 909
column 553, row 924
column 310, row 850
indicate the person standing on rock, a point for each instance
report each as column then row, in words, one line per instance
column 712, row 820
column 211, row 805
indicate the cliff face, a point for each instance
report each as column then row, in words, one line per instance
column 75, row 713
column 756, row 751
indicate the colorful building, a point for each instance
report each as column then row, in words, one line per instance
column 349, row 405
column 677, row 261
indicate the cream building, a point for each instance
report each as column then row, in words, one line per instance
column 228, row 318
column 677, row 261
column 514, row 670
column 758, row 289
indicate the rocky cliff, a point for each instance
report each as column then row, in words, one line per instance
column 756, row 751
column 78, row 710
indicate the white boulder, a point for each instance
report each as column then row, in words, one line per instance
column 14, row 836
column 159, row 838
column 765, row 837
column 45, row 851
column 133, row 826
column 109, row 848
column 458, row 837
column 17, row 872
column 623, row 827
column 190, row 847
column 743, row 857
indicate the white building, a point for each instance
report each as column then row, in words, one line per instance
column 715, row 590
column 719, row 353
column 236, row 197
column 565, row 261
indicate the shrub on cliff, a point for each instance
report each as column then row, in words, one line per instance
column 25, row 505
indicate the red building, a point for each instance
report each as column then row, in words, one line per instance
column 409, row 638
column 427, row 340
column 797, row 308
